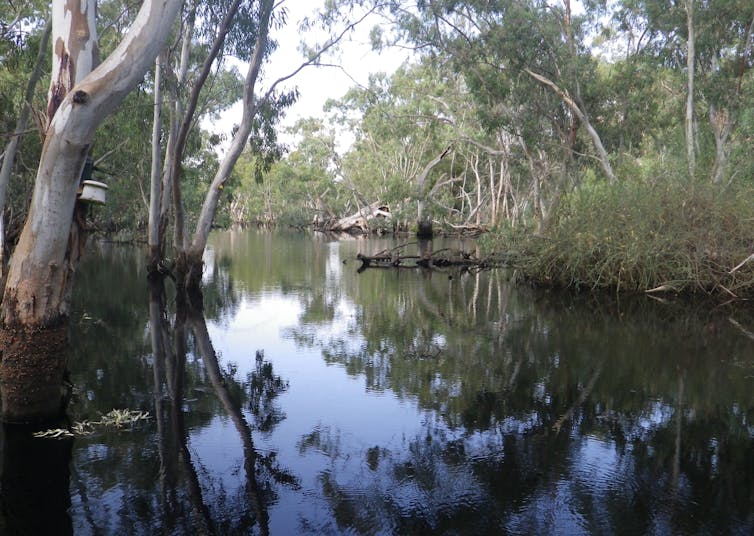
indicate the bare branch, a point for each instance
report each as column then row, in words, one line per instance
column 325, row 48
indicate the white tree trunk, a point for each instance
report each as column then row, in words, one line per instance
column 171, row 190
column 690, row 63
column 722, row 125
column 593, row 134
column 209, row 207
column 40, row 276
column 74, row 48
column 155, row 178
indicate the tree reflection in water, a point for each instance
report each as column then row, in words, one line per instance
column 154, row 478
column 261, row 471
column 536, row 421
column 34, row 488
column 419, row 403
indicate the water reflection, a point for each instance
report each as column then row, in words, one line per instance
column 309, row 399
column 178, row 473
column 539, row 413
column 160, row 477
column 35, row 483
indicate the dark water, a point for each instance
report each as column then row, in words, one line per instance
column 315, row 400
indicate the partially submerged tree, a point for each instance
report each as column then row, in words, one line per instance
column 41, row 273
column 260, row 111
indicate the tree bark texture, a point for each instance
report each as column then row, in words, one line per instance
column 31, row 374
column 40, row 276
column 36, row 301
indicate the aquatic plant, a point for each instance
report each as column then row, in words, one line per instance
column 661, row 236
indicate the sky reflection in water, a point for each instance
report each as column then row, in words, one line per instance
column 395, row 402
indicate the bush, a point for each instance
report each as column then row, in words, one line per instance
column 642, row 235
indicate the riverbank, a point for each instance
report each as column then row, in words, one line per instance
column 670, row 237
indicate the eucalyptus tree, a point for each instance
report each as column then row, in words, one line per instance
column 302, row 186
column 708, row 48
column 401, row 141
column 423, row 134
column 534, row 84
column 192, row 66
column 260, row 110
column 506, row 50
column 724, row 50
column 38, row 288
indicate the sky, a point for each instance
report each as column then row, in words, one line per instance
column 317, row 84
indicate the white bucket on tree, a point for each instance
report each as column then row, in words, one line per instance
column 93, row 192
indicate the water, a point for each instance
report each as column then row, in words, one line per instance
column 315, row 400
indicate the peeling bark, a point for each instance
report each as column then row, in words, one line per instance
column 74, row 51
column 36, row 300
column 37, row 291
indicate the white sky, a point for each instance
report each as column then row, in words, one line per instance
column 317, row 84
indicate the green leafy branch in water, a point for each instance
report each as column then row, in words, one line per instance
column 117, row 418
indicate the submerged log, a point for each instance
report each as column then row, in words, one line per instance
column 442, row 258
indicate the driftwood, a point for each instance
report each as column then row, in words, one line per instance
column 359, row 222
column 472, row 230
column 442, row 258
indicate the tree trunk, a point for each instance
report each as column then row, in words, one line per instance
column 40, row 276
column 537, row 193
column 74, row 49
column 39, row 286
column 155, row 178
column 424, row 223
column 12, row 147
column 31, row 374
column 169, row 186
column 722, row 124
column 690, row 63
column 593, row 134
column 192, row 262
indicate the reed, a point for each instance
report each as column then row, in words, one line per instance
column 662, row 236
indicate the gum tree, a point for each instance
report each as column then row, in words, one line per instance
column 36, row 300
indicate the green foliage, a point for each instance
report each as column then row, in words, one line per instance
column 642, row 234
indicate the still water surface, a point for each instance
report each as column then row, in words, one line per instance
column 315, row 400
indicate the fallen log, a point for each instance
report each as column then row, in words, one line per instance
column 437, row 259
column 360, row 221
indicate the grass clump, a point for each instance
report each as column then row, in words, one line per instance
column 674, row 236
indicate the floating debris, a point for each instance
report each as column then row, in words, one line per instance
column 54, row 433
column 117, row 418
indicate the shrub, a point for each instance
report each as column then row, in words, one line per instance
column 642, row 235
